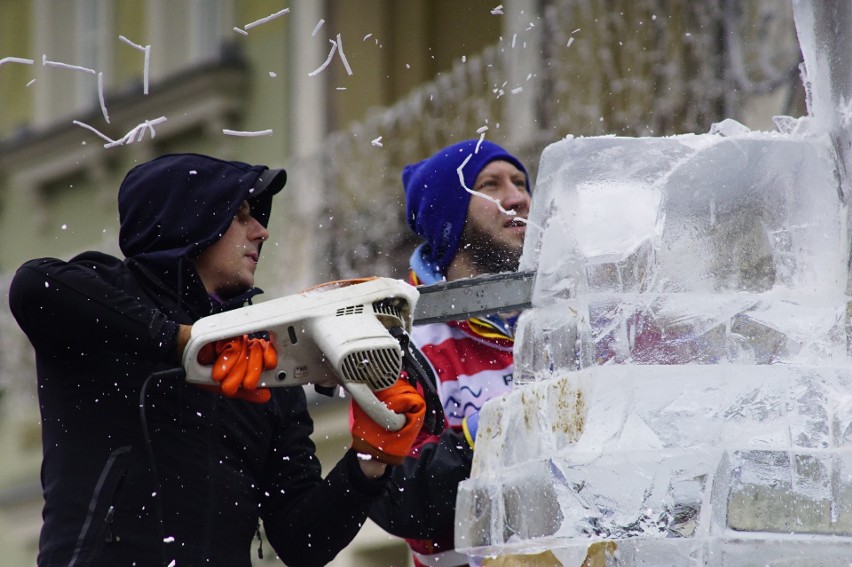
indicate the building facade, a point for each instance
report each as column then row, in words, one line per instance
column 342, row 94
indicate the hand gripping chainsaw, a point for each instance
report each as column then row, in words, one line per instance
column 352, row 333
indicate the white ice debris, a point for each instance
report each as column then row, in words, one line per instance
column 16, row 60
column 135, row 135
column 317, row 27
column 477, row 193
column 146, row 50
column 268, row 18
column 138, row 132
column 377, row 142
column 45, row 62
column 101, row 97
column 336, row 46
column 90, row 128
column 322, row 67
column 247, row 133
column 498, row 11
column 343, row 55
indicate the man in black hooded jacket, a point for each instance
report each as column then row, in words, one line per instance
column 140, row 467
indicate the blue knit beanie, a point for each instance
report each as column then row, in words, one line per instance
column 435, row 201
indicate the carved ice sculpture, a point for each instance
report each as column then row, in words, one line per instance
column 684, row 386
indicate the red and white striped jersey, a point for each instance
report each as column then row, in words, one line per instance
column 472, row 361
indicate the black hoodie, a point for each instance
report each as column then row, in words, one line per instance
column 142, row 468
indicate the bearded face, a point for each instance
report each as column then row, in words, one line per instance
column 493, row 236
column 487, row 254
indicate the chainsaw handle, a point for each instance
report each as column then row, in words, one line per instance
column 376, row 410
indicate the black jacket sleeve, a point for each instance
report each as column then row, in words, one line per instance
column 309, row 521
column 69, row 308
column 420, row 500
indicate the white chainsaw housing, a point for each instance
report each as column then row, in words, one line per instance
column 335, row 333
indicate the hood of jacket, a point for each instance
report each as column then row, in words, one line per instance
column 175, row 206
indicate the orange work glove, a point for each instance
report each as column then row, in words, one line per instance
column 237, row 365
column 389, row 447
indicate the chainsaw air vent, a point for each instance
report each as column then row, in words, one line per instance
column 350, row 310
column 387, row 308
column 378, row 368
column 389, row 313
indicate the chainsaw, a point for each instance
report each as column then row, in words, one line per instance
column 355, row 334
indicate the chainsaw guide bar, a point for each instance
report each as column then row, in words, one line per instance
column 472, row 297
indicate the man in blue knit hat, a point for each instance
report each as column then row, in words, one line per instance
column 469, row 202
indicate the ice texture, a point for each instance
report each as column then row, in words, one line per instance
column 664, row 452
column 684, row 379
column 689, row 249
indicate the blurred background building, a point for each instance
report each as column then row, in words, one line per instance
column 342, row 94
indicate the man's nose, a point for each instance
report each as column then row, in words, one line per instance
column 515, row 197
column 258, row 231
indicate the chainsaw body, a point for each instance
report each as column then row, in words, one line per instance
column 335, row 333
